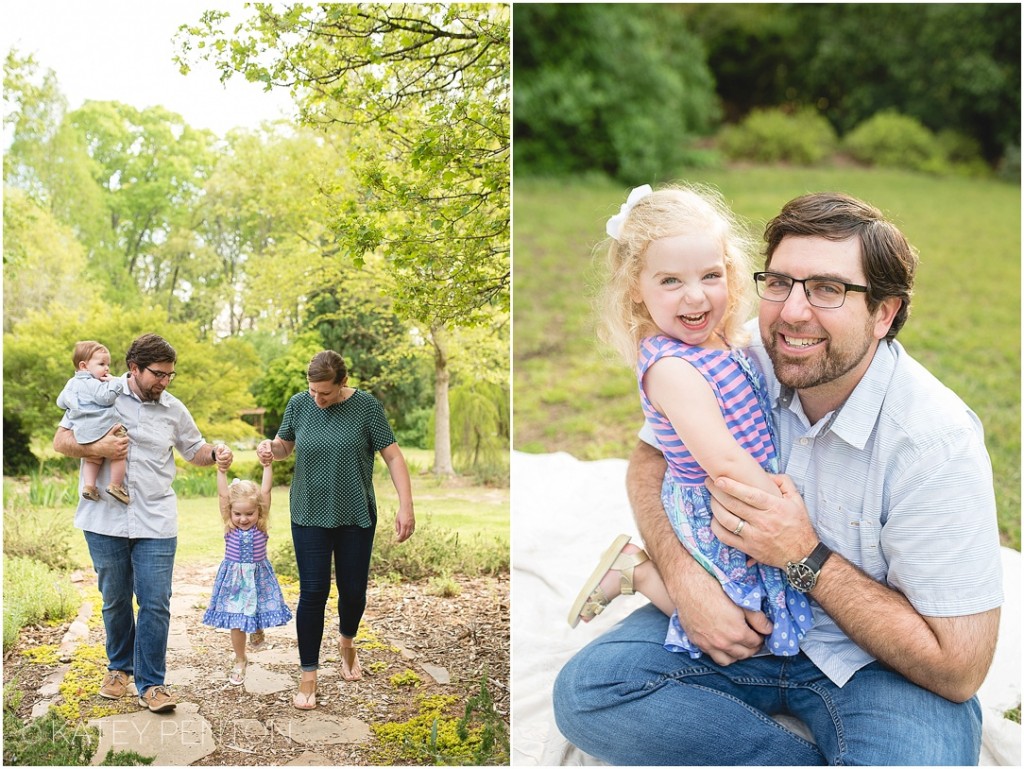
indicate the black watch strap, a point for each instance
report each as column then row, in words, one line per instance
column 818, row 557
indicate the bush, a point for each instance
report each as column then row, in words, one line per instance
column 775, row 136
column 1009, row 165
column 33, row 593
column 432, row 552
column 895, row 141
column 36, row 534
column 18, row 457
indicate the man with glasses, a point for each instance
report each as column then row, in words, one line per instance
column 887, row 522
column 132, row 548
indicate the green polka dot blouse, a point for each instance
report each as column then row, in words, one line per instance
column 334, row 452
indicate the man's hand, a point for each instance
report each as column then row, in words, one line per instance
column 774, row 530
column 224, row 457
column 110, row 446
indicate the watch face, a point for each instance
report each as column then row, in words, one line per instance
column 801, row 576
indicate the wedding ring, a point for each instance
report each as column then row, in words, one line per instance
column 739, row 528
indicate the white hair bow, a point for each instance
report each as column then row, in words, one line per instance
column 614, row 225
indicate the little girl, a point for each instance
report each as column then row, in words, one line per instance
column 676, row 300
column 246, row 596
column 88, row 399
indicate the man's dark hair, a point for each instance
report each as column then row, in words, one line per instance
column 150, row 348
column 889, row 260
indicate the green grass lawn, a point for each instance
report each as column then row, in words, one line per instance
column 569, row 395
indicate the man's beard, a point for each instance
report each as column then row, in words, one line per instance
column 828, row 365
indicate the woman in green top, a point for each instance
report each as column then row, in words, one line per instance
column 335, row 431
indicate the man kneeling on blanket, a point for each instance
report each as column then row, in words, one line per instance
column 886, row 521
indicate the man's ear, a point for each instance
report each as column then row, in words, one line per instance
column 885, row 314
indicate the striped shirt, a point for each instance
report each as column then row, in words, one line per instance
column 898, row 482
column 248, row 546
column 736, row 398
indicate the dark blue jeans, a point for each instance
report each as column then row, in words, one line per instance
column 315, row 547
column 627, row 701
column 141, row 568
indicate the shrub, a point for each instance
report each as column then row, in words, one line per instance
column 1009, row 165
column 432, row 552
column 33, row 593
column 18, row 457
column 895, row 141
column 37, row 534
column 775, row 136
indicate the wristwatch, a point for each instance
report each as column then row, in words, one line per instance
column 803, row 575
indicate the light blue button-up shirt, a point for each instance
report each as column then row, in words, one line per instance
column 155, row 429
column 897, row 481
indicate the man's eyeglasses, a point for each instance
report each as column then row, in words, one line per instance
column 161, row 375
column 825, row 293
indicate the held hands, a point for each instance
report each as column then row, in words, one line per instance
column 772, row 530
column 224, row 457
column 265, row 452
column 112, row 445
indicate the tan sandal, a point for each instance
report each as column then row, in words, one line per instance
column 91, row 493
column 591, row 600
column 305, row 699
column 349, row 672
column 237, row 675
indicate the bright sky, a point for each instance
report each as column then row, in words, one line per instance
column 121, row 50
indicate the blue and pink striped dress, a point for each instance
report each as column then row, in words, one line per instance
column 740, row 392
column 246, row 595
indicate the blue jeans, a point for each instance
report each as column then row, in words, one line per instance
column 627, row 701
column 315, row 547
column 143, row 568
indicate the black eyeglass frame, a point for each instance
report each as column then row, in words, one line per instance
column 759, row 279
column 162, row 375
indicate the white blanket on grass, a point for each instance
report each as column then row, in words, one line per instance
column 565, row 513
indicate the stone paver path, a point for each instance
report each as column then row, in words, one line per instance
column 186, row 735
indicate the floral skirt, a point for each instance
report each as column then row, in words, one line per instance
column 247, row 597
column 757, row 587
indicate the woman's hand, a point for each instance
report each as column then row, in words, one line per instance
column 405, row 524
column 265, row 451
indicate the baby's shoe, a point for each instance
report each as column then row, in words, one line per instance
column 120, row 493
column 91, row 492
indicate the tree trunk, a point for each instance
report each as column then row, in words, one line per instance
column 442, row 415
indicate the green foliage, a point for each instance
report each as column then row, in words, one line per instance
column 582, row 103
column 18, row 456
column 478, row 738
column 33, row 593
column 776, row 136
column 949, row 65
column 46, row 741
column 212, row 376
column 33, row 530
column 480, row 426
column 895, row 141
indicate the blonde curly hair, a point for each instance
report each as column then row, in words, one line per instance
column 245, row 491
column 683, row 209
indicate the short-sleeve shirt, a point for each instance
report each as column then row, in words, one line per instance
column 334, row 452
column 155, row 429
